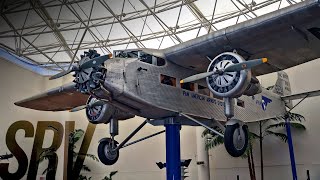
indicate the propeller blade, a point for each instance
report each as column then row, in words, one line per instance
column 197, row 77
column 245, row 65
column 78, row 108
column 97, row 103
column 94, row 62
column 59, row 75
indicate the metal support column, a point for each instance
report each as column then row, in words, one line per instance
column 291, row 151
column 173, row 159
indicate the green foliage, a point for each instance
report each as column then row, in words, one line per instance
column 212, row 139
column 91, row 156
column 270, row 87
column 86, row 168
column 82, row 177
column 47, row 154
column 110, row 175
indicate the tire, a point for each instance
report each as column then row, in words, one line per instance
column 104, row 154
column 234, row 146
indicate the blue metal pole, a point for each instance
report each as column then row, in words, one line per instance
column 173, row 164
column 291, row 151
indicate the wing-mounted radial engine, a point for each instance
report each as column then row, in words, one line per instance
column 101, row 112
column 229, row 76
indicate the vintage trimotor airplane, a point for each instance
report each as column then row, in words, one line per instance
column 210, row 80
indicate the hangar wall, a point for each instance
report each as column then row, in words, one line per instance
column 138, row 161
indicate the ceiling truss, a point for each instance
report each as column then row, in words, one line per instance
column 24, row 37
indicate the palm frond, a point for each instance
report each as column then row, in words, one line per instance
column 295, row 125
column 113, row 173
column 93, row 157
column 46, row 154
column 86, row 168
column 281, row 136
column 213, row 142
column 75, row 136
column 295, row 117
column 207, row 132
column 270, row 87
column 253, row 135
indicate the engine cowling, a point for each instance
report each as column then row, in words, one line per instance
column 104, row 113
column 228, row 84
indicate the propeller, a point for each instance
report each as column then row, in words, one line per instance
column 90, row 105
column 63, row 73
column 95, row 62
column 231, row 68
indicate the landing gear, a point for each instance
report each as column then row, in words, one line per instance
column 107, row 152
column 236, row 139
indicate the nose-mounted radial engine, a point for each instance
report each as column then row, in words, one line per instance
column 229, row 76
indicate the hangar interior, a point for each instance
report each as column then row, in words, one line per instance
column 40, row 38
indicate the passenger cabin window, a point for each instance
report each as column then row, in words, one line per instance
column 203, row 90
column 147, row 58
column 171, row 81
column 240, row 103
column 187, row 86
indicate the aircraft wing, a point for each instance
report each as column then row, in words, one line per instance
column 58, row 99
column 301, row 95
column 287, row 37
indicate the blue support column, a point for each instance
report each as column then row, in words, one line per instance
column 291, row 151
column 173, row 164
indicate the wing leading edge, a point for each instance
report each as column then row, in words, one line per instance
column 287, row 37
column 58, row 99
column 301, row 95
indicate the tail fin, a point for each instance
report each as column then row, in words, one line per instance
column 282, row 87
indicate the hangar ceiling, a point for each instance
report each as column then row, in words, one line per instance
column 53, row 33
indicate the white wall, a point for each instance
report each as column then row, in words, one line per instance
column 138, row 161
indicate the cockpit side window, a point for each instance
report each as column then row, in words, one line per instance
column 147, row 58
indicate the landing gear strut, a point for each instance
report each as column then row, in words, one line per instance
column 108, row 152
column 236, row 139
column 235, row 134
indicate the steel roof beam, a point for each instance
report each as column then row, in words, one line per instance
column 138, row 43
column 101, row 19
column 19, row 4
column 11, row 25
column 161, row 22
column 199, row 15
column 43, row 13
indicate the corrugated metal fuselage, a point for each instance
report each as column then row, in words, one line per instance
column 136, row 86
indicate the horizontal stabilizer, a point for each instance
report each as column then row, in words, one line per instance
column 301, row 95
column 58, row 99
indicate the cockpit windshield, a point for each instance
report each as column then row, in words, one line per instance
column 126, row 53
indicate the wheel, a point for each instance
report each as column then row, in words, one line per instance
column 236, row 139
column 105, row 153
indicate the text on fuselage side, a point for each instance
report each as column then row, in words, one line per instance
column 202, row 98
